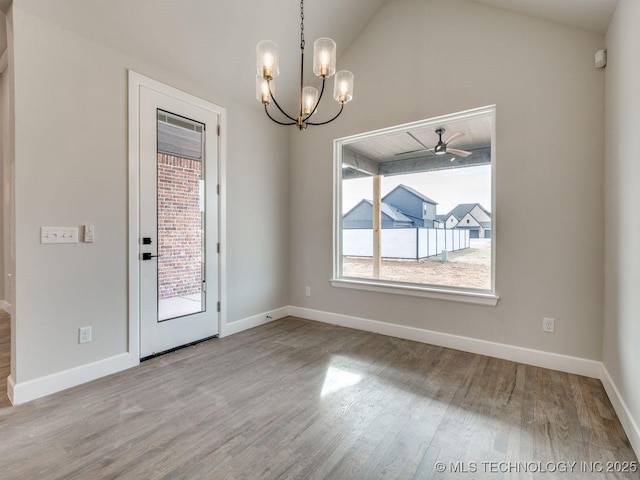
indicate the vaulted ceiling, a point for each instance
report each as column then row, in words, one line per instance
column 592, row 15
column 214, row 40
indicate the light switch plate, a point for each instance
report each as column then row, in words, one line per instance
column 58, row 234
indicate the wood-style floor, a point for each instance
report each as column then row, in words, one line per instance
column 297, row 399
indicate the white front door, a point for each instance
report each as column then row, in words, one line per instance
column 179, row 265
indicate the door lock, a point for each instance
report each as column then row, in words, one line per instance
column 148, row 256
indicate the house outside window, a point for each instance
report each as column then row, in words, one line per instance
column 399, row 209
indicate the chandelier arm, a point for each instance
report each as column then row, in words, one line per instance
column 277, row 121
column 329, row 121
column 318, row 102
column 275, row 102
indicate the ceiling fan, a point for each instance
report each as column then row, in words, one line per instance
column 442, row 147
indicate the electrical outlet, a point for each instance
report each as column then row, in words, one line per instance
column 84, row 335
column 307, row 291
column 548, row 325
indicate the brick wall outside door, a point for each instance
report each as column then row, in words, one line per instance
column 179, row 226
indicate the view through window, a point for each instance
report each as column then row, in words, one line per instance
column 416, row 204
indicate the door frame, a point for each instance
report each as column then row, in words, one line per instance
column 136, row 83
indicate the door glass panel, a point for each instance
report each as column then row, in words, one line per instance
column 180, row 174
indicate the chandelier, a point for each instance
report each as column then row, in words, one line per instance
column 324, row 66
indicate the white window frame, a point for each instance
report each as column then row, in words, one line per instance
column 457, row 294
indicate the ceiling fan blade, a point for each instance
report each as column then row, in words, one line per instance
column 420, row 152
column 417, row 140
column 410, row 151
column 453, row 137
column 460, row 153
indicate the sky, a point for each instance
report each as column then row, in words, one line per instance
column 446, row 187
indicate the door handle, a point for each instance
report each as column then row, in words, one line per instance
column 148, row 256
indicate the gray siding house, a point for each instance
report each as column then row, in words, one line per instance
column 471, row 216
column 418, row 207
column 361, row 216
column 404, row 207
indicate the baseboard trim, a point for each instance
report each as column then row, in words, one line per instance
column 253, row 321
column 629, row 423
column 23, row 392
column 11, row 384
column 538, row 358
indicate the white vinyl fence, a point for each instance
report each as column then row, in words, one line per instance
column 407, row 243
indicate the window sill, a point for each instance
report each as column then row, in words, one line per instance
column 477, row 298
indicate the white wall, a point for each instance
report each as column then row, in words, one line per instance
column 621, row 353
column 423, row 58
column 71, row 168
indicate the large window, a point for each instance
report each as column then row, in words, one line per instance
column 414, row 208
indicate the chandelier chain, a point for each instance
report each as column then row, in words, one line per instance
column 301, row 24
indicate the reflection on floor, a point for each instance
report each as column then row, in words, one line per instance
column 179, row 306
